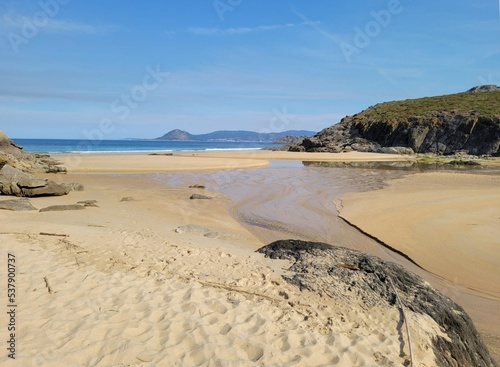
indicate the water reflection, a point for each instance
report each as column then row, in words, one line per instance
column 411, row 166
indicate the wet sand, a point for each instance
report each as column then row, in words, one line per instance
column 448, row 223
column 206, row 160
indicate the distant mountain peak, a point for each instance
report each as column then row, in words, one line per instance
column 233, row 136
column 177, row 134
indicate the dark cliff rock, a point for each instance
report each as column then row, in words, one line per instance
column 346, row 274
column 467, row 122
column 290, row 140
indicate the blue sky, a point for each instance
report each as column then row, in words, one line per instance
column 118, row 69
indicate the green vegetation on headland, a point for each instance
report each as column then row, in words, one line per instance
column 482, row 103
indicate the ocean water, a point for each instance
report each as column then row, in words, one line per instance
column 130, row 146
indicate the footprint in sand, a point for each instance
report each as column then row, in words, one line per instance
column 218, row 307
column 253, row 352
column 225, row 329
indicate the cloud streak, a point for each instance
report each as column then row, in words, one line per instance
column 201, row 31
column 16, row 22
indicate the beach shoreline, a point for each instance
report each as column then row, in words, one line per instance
column 203, row 160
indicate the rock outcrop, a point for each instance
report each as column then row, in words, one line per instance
column 485, row 88
column 349, row 275
column 14, row 155
column 16, row 167
column 467, row 122
column 290, row 140
column 18, row 183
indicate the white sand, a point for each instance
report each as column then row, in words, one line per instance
column 129, row 291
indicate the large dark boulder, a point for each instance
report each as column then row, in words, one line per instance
column 350, row 275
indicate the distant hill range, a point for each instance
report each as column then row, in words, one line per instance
column 464, row 122
column 229, row 135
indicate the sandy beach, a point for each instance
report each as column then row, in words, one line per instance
column 158, row 279
column 207, row 160
column 448, row 223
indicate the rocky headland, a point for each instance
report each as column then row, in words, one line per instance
column 14, row 155
column 465, row 122
column 353, row 277
column 18, row 169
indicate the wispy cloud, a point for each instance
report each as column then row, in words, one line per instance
column 15, row 21
column 201, row 31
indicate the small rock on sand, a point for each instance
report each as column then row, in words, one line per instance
column 88, row 203
column 56, row 208
column 200, row 197
column 127, row 198
column 74, row 186
column 197, row 186
column 222, row 236
column 212, row 235
column 17, row 205
column 191, row 228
